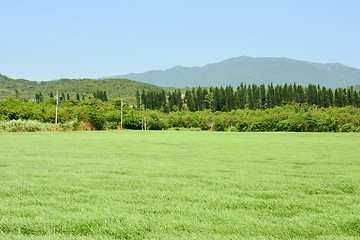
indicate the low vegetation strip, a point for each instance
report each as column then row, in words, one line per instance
column 179, row 185
column 96, row 114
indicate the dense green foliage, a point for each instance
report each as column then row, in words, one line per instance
column 250, row 97
column 246, row 108
column 35, row 126
column 85, row 88
column 287, row 118
column 179, row 185
column 96, row 114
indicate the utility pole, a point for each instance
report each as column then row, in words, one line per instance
column 121, row 123
column 56, row 113
column 142, row 119
column 145, row 122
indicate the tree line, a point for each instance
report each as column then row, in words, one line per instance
column 92, row 114
column 246, row 108
column 250, row 96
column 39, row 97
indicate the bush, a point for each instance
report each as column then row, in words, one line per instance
column 242, row 126
column 232, row 129
column 154, row 121
column 68, row 126
column 97, row 119
column 219, row 124
column 132, row 120
column 184, row 129
column 112, row 125
column 347, row 127
column 25, row 126
column 76, row 126
column 113, row 116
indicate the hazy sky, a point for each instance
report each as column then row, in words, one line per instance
column 47, row 40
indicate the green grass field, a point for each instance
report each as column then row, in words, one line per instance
column 179, row 185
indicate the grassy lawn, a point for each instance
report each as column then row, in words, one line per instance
column 179, row 185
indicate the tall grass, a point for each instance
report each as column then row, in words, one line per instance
column 33, row 126
column 179, row 185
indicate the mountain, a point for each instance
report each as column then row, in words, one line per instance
column 252, row 70
column 114, row 88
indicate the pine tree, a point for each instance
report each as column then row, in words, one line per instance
column 105, row 98
column 330, row 97
column 262, row 96
column 269, row 96
column 143, row 98
column 324, row 101
column 206, row 99
column 216, row 103
column 162, row 98
column 256, row 96
column 349, row 96
column 170, row 101
column 344, row 98
column 300, row 94
column 277, row 96
column 356, row 99
column 295, row 94
column 250, row 97
column 338, row 98
column 229, row 98
column 39, row 97
column 199, row 99
column 318, row 94
column 189, row 101
column 242, row 96
column 17, row 94
column 179, row 99
column 284, row 94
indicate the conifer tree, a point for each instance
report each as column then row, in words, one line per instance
column 216, row 101
column 270, row 96
column 356, row 99
column 250, row 98
column 143, row 98
column 262, row 96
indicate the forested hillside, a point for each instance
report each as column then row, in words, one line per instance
column 252, row 71
column 114, row 88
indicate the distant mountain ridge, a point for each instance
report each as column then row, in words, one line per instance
column 251, row 70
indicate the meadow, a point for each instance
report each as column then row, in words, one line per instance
column 179, row 185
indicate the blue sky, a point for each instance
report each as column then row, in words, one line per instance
column 47, row 40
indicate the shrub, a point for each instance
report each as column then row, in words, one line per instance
column 97, row 119
column 111, row 125
column 25, row 126
column 232, row 129
column 154, row 121
column 347, row 127
column 132, row 120
column 68, row 126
